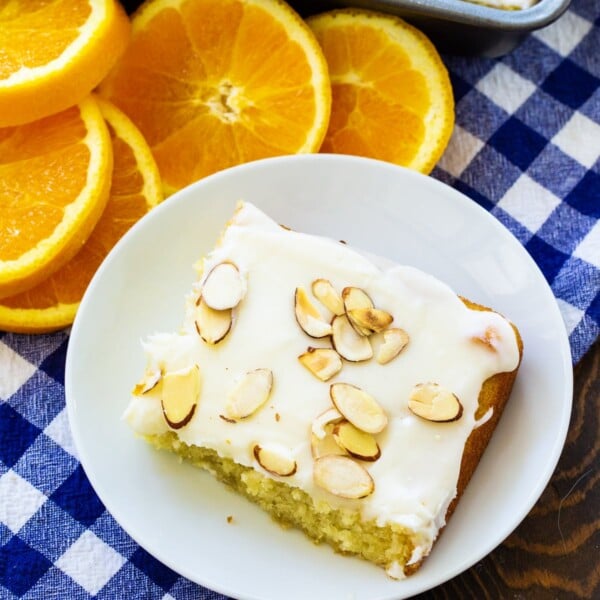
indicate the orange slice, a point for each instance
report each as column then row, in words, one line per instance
column 392, row 97
column 214, row 83
column 135, row 189
column 54, row 52
column 54, row 182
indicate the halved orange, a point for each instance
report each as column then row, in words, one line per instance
column 392, row 97
column 214, row 83
column 54, row 52
column 54, row 183
column 135, row 189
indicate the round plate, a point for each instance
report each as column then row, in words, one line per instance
column 179, row 513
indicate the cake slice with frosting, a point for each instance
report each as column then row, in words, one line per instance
column 349, row 398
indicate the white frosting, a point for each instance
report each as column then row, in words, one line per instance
column 507, row 4
column 486, row 417
column 416, row 475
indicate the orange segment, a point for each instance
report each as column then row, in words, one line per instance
column 54, row 52
column 135, row 189
column 392, row 97
column 54, row 182
column 214, row 83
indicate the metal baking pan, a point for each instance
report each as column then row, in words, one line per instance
column 457, row 26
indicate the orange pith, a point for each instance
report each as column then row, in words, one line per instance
column 135, row 188
column 54, row 182
column 53, row 52
column 391, row 95
column 213, row 83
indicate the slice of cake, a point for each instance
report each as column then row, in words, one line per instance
column 348, row 399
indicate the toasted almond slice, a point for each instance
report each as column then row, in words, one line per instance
column 308, row 317
column 342, row 476
column 223, row 287
column 489, row 339
column 325, row 293
column 179, row 396
column 212, row 325
column 275, row 458
column 330, row 416
column 360, row 408
column 323, row 363
column 249, row 394
column 432, row 402
column 356, row 442
column 355, row 298
column 373, row 320
column 394, row 341
column 148, row 382
column 347, row 342
column 326, row 445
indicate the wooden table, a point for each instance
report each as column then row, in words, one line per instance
column 555, row 552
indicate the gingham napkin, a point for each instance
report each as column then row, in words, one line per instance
column 526, row 147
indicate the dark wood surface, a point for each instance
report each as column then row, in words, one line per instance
column 555, row 552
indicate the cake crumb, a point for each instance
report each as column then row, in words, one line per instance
column 230, row 518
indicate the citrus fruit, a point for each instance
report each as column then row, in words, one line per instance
column 214, row 83
column 135, row 189
column 54, row 52
column 391, row 94
column 54, row 183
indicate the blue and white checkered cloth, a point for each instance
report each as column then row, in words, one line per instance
column 526, row 147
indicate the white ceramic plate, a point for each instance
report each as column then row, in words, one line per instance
column 178, row 513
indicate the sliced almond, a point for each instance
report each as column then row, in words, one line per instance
column 212, row 325
column 308, row 317
column 356, row 442
column 330, row 416
column 489, row 339
column 347, row 342
column 360, row 408
column 323, row 363
column 325, row 293
column 433, row 402
column 249, row 394
column 227, row 419
column 148, row 382
column 179, row 395
column 373, row 320
column 325, row 445
column 223, row 287
column 355, row 298
column 275, row 458
column 342, row 477
column 394, row 341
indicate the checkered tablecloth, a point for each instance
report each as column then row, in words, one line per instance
column 526, row 147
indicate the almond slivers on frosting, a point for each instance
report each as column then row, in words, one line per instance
column 291, row 386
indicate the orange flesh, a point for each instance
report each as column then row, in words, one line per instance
column 43, row 166
column 125, row 206
column 220, row 72
column 54, row 23
column 377, row 97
